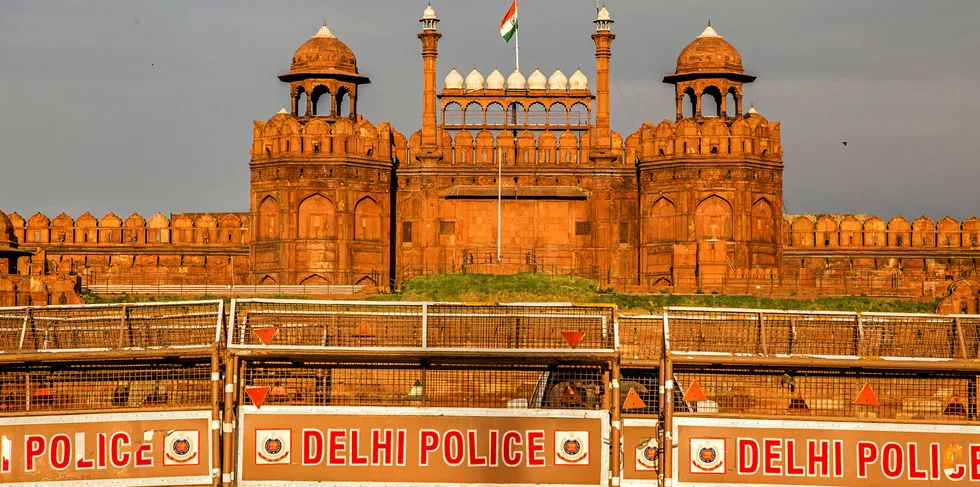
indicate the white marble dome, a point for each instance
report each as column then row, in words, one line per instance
column 474, row 80
column 578, row 81
column 558, row 80
column 430, row 13
column 496, row 80
column 537, row 81
column 454, row 80
column 604, row 14
column 516, row 81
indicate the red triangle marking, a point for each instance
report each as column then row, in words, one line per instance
column 633, row 400
column 257, row 395
column 694, row 392
column 867, row 397
column 266, row 334
column 573, row 337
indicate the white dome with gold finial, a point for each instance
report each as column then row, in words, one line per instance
column 474, row 80
column 430, row 13
column 578, row 81
column 558, row 80
column 537, row 81
column 516, row 81
column 454, row 80
column 603, row 14
column 496, row 80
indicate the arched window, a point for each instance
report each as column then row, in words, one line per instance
column 367, row 220
column 662, row 215
column 762, row 221
column 268, row 219
column 316, row 218
column 713, row 220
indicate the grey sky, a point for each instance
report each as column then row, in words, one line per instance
column 135, row 105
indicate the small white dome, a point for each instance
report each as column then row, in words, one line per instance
column 604, row 14
column 325, row 31
column 578, row 81
column 558, row 81
column 454, row 80
column 430, row 13
column 709, row 31
column 516, row 81
column 474, row 80
column 537, row 81
column 496, row 80
column 752, row 110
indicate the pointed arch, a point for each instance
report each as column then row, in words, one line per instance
column 315, row 280
column 713, row 219
column 268, row 281
column 663, row 215
column 801, row 232
column 923, row 232
column 762, row 221
column 269, row 227
column 827, row 235
column 367, row 219
column 317, row 218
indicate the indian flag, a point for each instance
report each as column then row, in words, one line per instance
column 508, row 26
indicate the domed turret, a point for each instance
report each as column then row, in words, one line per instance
column 324, row 54
column 474, row 80
column 709, row 52
column 578, row 81
column 496, row 80
column 454, row 80
column 537, row 81
column 516, row 81
column 558, row 81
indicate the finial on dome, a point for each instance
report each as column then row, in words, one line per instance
column 709, row 31
column 282, row 111
column 325, row 31
column 752, row 110
column 709, row 22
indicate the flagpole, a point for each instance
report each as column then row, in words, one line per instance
column 499, row 190
column 517, row 47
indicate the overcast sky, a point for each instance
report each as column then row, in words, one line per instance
column 147, row 106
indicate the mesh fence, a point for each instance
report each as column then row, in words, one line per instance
column 111, row 327
column 81, row 388
column 396, row 325
column 922, row 336
column 641, row 337
column 833, row 393
column 969, row 327
column 333, row 384
column 646, row 384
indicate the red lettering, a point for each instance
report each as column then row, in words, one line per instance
column 428, row 443
column 335, row 447
column 379, row 445
column 452, row 448
column 792, row 468
column 771, row 454
column 312, row 446
column 535, row 448
column 355, row 448
column 867, row 453
column 101, row 454
column 60, row 452
column 142, row 460
column 974, row 462
column 934, row 461
column 748, row 456
column 82, row 463
column 839, row 458
column 494, row 447
column 914, row 472
column 512, row 456
column 119, row 457
column 892, row 460
column 473, row 459
column 819, row 457
column 34, row 446
column 401, row 447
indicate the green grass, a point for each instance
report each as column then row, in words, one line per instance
column 482, row 288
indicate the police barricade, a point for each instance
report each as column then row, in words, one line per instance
column 830, row 399
column 110, row 395
column 342, row 393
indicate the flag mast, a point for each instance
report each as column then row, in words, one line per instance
column 517, row 42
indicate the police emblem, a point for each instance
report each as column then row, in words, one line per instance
column 272, row 447
column 180, row 448
column 648, row 456
column 708, row 455
column 571, row 447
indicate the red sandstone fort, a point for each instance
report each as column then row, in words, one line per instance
column 692, row 203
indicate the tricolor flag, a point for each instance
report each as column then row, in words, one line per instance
column 508, row 26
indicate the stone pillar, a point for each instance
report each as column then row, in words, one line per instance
column 603, row 52
column 430, row 51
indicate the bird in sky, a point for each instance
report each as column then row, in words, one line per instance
column 845, row 144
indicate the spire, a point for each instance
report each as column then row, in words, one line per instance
column 709, row 31
column 325, row 31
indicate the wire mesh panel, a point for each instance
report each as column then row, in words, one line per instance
column 921, row 336
column 714, row 330
column 969, row 328
column 810, row 333
column 646, row 384
column 335, row 384
column 641, row 337
column 113, row 327
column 326, row 324
column 81, row 388
column 833, row 393
column 520, row 327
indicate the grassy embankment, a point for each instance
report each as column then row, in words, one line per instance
column 543, row 288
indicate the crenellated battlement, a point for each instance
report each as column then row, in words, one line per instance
column 286, row 135
column 749, row 137
column 230, row 229
column 869, row 231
